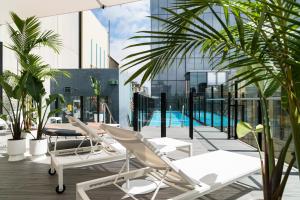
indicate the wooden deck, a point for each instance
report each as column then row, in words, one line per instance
column 30, row 180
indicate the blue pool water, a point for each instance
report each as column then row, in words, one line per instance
column 173, row 118
column 176, row 119
column 216, row 117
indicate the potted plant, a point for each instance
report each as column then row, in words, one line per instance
column 41, row 102
column 13, row 86
column 257, row 37
column 26, row 35
column 38, row 145
column 96, row 86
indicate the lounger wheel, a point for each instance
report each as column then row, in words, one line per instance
column 58, row 191
column 51, row 173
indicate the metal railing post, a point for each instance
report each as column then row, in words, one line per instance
column 163, row 104
column 81, row 108
column 229, row 116
column 191, row 115
column 98, row 108
column 135, row 121
column 204, row 109
column 259, row 121
column 212, row 106
column 235, row 109
column 222, row 108
column 243, row 108
column 199, row 107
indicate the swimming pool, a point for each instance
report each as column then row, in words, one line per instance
column 176, row 119
column 216, row 119
column 173, row 119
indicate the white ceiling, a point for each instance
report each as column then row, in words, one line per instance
column 44, row 8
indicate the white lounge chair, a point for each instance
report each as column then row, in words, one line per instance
column 195, row 176
column 102, row 150
column 110, row 151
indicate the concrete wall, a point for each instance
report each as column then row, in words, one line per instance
column 124, row 99
column 94, row 42
column 67, row 26
column 81, row 86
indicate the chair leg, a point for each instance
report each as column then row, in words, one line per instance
column 158, row 186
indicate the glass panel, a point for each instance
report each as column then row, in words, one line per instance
column 211, row 78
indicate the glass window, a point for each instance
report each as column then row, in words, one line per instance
column 154, row 6
column 171, row 88
column 163, row 4
column 104, row 58
column 172, row 71
column 164, row 75
column 180, row 70
column 211, row 78
column 221, row 76
column 100, row 64
column 96, row 55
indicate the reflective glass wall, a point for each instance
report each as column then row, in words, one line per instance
column 172, row 81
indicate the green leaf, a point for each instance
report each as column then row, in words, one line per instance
column 95, row 85
column 35, row 87
column 271, row 87
column 259, row 128
column 243, row 129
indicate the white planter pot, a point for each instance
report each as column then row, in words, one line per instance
column 16, row 149
column 38, row 149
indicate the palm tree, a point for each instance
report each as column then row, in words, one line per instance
column 260, row 39
column 26, row 36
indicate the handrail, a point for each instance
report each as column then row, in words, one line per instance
column 111, row 118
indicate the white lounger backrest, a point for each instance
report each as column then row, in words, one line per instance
column 132, row 141
column 144, row 151
column 76, row 122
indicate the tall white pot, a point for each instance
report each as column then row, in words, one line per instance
column 16, row 149
column 38, row 149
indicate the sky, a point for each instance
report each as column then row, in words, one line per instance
column 125, row 21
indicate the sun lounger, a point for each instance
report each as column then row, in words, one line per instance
column 101, row 150
column 195, row 176
column 110, row 150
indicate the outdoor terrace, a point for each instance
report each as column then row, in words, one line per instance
column 30, row 180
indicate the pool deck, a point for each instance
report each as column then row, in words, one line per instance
column 30, row 180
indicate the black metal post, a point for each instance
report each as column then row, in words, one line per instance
column 235, row 109
column 1, row 71
column 81, row 108
column 163, row 113
column 222, row 108
column 142, row 111
column 56, row 106
column 80, row 40
column 199, row 107
column 98, row 108
column 135, row 121
column 259, row 121
column 229, row 116
column 204, row 109
column 191, row 115
column 243, row 108
column 212, row 106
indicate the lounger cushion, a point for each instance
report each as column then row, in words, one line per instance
column 217, row 168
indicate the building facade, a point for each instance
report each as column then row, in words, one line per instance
column 84, row 53
column 190, row 73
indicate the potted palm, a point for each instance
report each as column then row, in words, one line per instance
column 13, row 86
column 260, row 38
column 26, row 35
column 96, row 86
column 41, row 102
